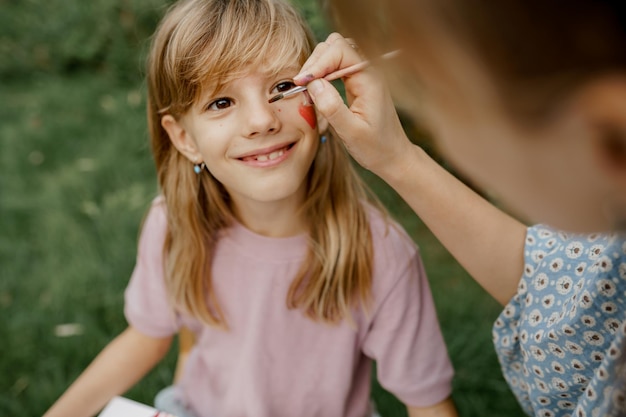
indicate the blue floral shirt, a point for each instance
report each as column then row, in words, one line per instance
column 560, row 339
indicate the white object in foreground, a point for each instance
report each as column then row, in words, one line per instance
column 123, row 407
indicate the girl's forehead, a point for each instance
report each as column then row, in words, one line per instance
column 274, row 60
column 260, row 73
column 272, row 67
column 270, row 71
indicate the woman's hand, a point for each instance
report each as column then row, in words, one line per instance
column 369, row 127
column 466, row 224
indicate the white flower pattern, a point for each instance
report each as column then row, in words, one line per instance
column 568, row 322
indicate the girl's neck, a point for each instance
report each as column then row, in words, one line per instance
column 273, row 219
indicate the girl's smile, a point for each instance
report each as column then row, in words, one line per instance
column 267, row 157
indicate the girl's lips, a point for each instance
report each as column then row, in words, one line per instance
column 265, row 151
column 271, row 157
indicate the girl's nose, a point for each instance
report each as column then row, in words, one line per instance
column 261, row 118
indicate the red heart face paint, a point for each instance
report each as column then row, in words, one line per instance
column 308, row 113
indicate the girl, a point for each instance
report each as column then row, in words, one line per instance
column 262, row 242
column 488, row 77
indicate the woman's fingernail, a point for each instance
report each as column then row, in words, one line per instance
column 315, row 87
column 304, row 78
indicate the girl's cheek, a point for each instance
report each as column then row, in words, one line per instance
column 307, row 112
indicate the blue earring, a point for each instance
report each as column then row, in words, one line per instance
column 323, row 139
column 197, row 168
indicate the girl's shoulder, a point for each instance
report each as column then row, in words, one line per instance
column 158, row 204
column 154, row 225
column 157, row 212
column 389, row 239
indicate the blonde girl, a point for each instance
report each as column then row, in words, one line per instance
column 262, row 242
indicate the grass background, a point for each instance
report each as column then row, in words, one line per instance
column 76, row 178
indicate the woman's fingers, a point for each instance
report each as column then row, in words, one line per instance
column 368, row 124
column 369, row 127
column 329, row 56
column 329, row 103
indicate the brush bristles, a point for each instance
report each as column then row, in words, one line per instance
column 275, row 98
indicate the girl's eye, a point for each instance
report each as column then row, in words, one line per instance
column 283, row 86
column 220, row 104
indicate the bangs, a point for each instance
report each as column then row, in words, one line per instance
column 230, row 37
column 270, row 55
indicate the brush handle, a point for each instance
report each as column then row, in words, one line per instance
column 356, row 67
column 347, row 71
column 334, row 75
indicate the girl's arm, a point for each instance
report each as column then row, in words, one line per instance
column 186, row 341
column 487, row 242
column 445, row 408
column 118, row 367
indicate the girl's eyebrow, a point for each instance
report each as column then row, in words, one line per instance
column 285, row 70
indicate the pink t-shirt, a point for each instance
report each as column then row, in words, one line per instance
column 275, row 361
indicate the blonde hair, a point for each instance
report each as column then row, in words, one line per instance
column 202, row 43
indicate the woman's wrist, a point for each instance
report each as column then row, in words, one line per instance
column 404, row 167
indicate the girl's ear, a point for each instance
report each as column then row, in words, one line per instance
column 180, row 138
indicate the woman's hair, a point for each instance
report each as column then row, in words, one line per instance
column 200, row 45
column 535, row 51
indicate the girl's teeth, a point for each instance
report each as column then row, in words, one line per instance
column 266, row 157
column 276, row 154
column 271, row 156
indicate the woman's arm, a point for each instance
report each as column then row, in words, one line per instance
column 487, row 242
column 445, row 408
column 118, row 367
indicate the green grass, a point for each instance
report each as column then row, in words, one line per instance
column 76, row 178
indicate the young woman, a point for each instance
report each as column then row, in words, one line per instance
column 527, row 98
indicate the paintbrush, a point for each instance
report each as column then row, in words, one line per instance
column 333, row 76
